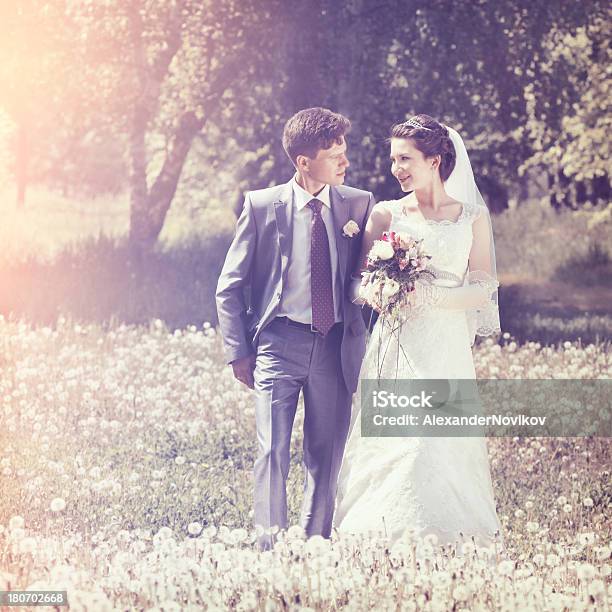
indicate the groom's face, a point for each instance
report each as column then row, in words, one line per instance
column 329, row 166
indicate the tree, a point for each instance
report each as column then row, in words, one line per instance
column 165, row 69
column 567, row 121
column 467, row 63
column 33, row 81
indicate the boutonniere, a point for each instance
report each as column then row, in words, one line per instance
column 350, row 229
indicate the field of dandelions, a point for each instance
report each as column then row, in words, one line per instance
column 126, row 475
column 126, row 452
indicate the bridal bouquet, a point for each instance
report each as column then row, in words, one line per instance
column 394, row 264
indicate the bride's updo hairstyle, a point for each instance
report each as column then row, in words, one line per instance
column 430, row 138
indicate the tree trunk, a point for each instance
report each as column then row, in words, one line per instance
column 23, row 153
column 601, row 188
column 148, row 209
column 138, row 178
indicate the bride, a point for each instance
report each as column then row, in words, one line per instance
column 431, row 486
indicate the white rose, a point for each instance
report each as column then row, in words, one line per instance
column 390, row 289
column 350, row 229
column 371, row 293
column 381, row 250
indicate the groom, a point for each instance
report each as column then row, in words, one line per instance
column 287, row 321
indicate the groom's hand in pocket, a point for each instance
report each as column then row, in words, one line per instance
column 243, row 370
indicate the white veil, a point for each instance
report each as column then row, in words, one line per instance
column 462, row 187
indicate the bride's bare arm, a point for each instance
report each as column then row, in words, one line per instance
column 480, row 253
column 378, row 222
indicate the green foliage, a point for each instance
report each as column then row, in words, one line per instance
column 55, row 100
column 469, row 64
column 567, row 121
column 525, row 84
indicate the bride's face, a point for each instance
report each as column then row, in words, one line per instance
column 409, row 166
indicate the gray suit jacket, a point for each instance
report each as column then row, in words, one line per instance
column 251, row 283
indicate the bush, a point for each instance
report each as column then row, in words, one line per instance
column 593, row 269
column 534, row 240
column 97, row 281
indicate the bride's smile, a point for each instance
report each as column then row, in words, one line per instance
column 409, row 166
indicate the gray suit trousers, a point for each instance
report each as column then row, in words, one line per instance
column 290, row 359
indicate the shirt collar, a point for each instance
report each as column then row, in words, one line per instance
column 302, row 197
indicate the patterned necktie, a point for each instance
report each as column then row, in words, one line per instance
column 321, row 291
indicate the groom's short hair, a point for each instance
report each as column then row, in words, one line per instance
column 313, row 129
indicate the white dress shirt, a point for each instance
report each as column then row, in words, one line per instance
column 295, row 302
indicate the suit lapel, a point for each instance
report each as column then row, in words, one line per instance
column 283, row 212
column 341, row 214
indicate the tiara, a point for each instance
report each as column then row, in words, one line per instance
column 415, row 124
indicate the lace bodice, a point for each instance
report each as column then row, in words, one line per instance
column 448, row 242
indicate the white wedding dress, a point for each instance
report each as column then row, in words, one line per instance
column 429, row 485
